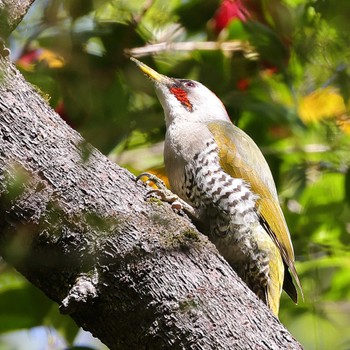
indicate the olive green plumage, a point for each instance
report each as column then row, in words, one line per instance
column 234, row 145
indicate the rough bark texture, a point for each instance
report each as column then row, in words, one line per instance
column 11, row 14
column 130, row 271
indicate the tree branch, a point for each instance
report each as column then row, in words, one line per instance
column 226, row 46
column 11, row 14
column 130, row 271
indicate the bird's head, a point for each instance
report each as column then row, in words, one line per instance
column 185, row 100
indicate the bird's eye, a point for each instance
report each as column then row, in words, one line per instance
column 190, row 84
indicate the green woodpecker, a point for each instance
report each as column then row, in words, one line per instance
column 219, row 170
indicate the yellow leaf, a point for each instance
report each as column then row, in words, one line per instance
column 320, row 104
column 344, row 124
column 52, row 59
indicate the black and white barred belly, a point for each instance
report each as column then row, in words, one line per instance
column 229, row 201
column 230, row 209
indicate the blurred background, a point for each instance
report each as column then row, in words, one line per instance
column 282, row 70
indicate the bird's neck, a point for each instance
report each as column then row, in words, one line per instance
column 187, row 138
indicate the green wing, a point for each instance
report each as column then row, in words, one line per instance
column 241, row 158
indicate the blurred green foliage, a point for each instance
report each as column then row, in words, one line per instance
column 289, row 91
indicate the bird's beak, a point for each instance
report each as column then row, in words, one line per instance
column 151, row 73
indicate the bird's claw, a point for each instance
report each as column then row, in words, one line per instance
column 151, row 178
column 165, row 195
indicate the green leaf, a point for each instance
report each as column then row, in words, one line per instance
column 347, row 187
column 62, row 323
column 237, row 30
column 195, row 14
column 21, row 304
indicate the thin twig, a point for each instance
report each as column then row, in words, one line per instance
column 227, row 46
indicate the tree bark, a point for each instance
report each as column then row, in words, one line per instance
column 132, row 272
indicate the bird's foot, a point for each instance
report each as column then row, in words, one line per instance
column 152, row 179
column 165, row 195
